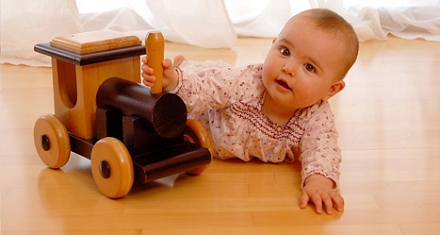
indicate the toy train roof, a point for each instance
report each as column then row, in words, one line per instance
column 95, row 41
column 92, row 47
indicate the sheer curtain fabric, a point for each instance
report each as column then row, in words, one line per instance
column 204, row 23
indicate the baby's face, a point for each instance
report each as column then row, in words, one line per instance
column 304, row 65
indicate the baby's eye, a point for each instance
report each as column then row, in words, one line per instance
column 284, row 51
column 309, row 67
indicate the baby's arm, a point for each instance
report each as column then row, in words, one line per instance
column 170, row 76
column 320, row 158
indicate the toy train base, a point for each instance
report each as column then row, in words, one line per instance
column 128, row 147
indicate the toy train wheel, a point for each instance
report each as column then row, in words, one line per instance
column 112, row 167
column 196, row 133
column 52, row 141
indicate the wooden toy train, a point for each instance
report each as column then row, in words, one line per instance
column 103, row 113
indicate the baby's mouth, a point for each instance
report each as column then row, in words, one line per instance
column 283, row 84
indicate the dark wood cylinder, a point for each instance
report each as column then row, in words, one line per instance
column 166, row 113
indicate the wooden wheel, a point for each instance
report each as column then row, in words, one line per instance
column 196, row 133
column 52, row 141
column 112, row 167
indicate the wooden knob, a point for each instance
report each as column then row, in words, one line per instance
column 155, row 46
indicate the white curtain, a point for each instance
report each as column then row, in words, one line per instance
column 25, row 23
column 205, row 23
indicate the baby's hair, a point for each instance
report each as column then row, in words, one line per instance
column 332, row 22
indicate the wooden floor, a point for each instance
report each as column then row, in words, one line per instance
column 389, row 122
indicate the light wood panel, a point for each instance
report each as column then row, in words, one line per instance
column 389, row 122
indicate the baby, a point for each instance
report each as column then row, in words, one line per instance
column 276, row 110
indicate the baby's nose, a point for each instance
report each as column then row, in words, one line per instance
column 289, row 68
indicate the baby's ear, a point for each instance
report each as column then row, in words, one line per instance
column 334, row 89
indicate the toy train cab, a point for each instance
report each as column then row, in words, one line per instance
column 103, row 113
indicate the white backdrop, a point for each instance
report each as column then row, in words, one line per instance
column 205, row 23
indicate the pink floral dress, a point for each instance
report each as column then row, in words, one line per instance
column 228, row 101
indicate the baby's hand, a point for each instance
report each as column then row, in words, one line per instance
column 170, row 76
column 319, row 190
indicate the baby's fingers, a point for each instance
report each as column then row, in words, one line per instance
column 147, row 76
column 144, row 60
column 315, row 199
column 304, row 200
column 178, row 60
column 338, row 201
column 328, row 203
column 149, row 82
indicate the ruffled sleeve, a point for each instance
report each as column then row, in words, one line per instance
column 215, row 84
column 320, row 153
